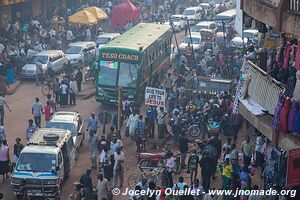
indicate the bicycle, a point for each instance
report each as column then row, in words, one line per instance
column 47, row 87
column 157, row 176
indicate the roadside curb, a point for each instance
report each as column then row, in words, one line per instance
column 13, row 88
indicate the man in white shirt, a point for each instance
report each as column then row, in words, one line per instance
column 119, row 158
column 70, row 36
column 88, row 34
column 52, row 33
column 3, row 103
column 72, row 92
column 162, row 122
column 63, row 95
column 131, row 123
column 37, row 110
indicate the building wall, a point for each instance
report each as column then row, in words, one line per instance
column 261, row 11
column 37, row 7
column 291, row 23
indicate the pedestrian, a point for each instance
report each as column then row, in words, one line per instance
column 162, row 122
column 247, row 150
column 17, row 150
column 198, row 194
column 92, row 141
column 114, row 144
column 56, row 91
column 111, row 133
column 78, row 79
column 180, row 185
column 103, row 143
column 102, row 187
column 183, row 148
column 63, row 100
column 48, row 112
column 169, row 83
column 93, row 124
column 31, row 128
column 140, row 134
column 193, row 163
column 259, row 150
column 150, row 114
column 3, row 103
column 186, row 26
column 69, row 36
column 52, row 103
column 206, row 164
column 227, row 172
column 209, row 196
column 37, row 110
column 170, row 168
column 4, row 160
column 88, row 34
column 39, row 73
column 72, row 92
column 119, row 158
column 87, row 184
column 105, row 162
column 255, row 196
column 131, row 122
column 176, row 128
column 2, row 133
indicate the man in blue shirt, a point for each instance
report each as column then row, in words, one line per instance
column 93, row 124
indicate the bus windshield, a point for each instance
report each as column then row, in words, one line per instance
column 128, row 75
column 109, row 70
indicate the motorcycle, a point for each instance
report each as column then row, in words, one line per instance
column 89, row 75
column 152, row 160
column 82, row 193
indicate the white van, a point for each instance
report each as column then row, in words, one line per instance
column 106, row 38
column 76, row 50
column 211, row 25
column 227, row 17
column 193, row 14
column 44, row 164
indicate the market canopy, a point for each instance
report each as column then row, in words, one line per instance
column 83, row 17
column 124, row 12
column 97, row 12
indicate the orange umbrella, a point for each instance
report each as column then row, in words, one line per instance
column 97, row 12
column 83, row 17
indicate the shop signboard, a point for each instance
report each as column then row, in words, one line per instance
column 293, row 168
column 155, row 97
column 271, row 40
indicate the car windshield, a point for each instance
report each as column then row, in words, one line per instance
column 197, row 28
column 35, row 59
column 194, row 40
column 62, row 125
column 108, row 73
column 128, row 75
column 188, row 12
column 74, row 50
column 248, row 34
column 175, row 19
column 36, row 162
column 102, row 40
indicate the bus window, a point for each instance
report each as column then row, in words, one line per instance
column 153, row 56
column 108, row 73
column 128, row 75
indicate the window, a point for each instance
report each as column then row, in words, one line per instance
column 59, row 159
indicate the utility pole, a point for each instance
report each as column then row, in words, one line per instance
column 173, row 30
column 193, row 53
column 225, row 48
column 119, row 110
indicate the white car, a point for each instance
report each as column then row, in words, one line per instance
column 106, row 38
column 56, row 57
column 237, row 42
column 211, row 25
column 194, row 40
column 193, row 14
column 178, row 22
column 75, row 52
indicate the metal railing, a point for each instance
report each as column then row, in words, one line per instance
column 295, row 5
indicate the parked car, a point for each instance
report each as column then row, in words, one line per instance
column 44, row 163
column 106, row 38
column 193, row 14
column 178, row 22
column 194, row 40
column 211, row 25
column 56, row 57
column 75, row 52
column 71, row 121
column 251, row 35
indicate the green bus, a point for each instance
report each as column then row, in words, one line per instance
column 130, row 61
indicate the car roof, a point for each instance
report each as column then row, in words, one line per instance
column 194, row 36
column 251, row 31
column 193, row 8
column 177, row 15
column 109, row 35
column 64, row 116
column 82, row 43
column 37, row 149
column 49, row 52
column 205, row 23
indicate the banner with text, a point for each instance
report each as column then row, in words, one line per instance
column 155, row 97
